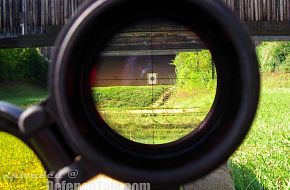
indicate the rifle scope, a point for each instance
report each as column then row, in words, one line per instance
column 127, row 44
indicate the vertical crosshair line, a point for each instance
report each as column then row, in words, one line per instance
column 151, row 56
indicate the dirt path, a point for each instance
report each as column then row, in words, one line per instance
column 153, row 111
column 163, row 98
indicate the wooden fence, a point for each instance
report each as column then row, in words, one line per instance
column 261, row 10
column 31, row 17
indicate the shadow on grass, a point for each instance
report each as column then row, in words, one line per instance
column 244, row 178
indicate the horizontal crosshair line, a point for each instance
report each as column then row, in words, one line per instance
column 157, row 79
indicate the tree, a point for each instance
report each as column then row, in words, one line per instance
column 193, row 69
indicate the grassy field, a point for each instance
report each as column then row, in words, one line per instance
column 262, row 162
column 133, row 112
column 21, row 94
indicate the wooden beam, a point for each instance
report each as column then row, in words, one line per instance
column 268, row 28
column 27, row 41
column 148, row 52
column 265, row 31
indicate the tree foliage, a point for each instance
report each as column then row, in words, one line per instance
column 274, row 56
column 25, row 64
column 194, row 69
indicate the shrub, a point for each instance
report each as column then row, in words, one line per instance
column 23, row 65
column 285, row 66
column 194, row 69
column 8, row 61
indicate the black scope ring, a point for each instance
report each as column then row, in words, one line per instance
column 219, row 135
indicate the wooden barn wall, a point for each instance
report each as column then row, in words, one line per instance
column 260, row 10
column 30, row 17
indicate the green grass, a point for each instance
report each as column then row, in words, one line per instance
column 275, row 81
column 152, row 128
column 127, row 96
column 21, row 94
column 263, row 160
column 20, row 168
column 195, row 98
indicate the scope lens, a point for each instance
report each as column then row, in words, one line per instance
column 154, row 82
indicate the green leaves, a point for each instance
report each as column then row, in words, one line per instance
column 194, row 69
column 274, row 56
column 25, row 64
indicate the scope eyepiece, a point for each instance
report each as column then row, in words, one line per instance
column 127, row 28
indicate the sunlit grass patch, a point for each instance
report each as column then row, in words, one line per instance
column 20, row 168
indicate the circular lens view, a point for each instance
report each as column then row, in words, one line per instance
column 155, row 82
